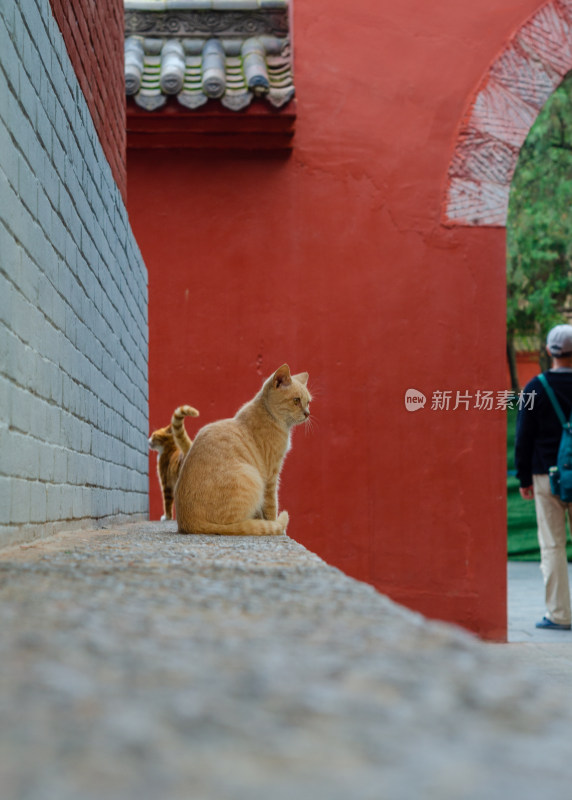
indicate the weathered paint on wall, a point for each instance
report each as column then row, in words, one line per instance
column 93, row 33
column 335, row 260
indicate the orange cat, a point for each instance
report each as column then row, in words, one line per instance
column 229, row 480
column 172, row 443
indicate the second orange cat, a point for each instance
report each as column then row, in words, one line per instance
column 172, row 443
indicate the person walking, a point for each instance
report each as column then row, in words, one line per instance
column 538, row 433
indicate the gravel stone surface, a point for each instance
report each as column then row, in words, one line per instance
column 140, row 664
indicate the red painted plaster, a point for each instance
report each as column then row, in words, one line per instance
column 334, row 260
column 527, row 365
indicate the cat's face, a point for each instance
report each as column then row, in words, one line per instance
column 288, row 397
column 160, row 439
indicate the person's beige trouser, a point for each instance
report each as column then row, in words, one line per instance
column 551, row 520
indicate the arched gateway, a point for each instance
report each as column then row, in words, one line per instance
column 501, row 113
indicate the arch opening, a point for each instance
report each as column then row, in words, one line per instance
column 501, row 113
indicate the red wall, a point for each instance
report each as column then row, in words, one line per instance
column 334, row 260
column 93, row 33
column 528, row 366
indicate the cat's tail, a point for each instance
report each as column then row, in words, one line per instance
column 178, row 427
column 250, row 527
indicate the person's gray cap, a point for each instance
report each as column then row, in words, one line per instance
column 559, row 341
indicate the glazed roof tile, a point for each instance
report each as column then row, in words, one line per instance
column 210, row 5
column 201, row 50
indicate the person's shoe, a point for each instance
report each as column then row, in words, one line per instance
column 547, row 624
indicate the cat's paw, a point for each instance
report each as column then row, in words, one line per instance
column 282, row 520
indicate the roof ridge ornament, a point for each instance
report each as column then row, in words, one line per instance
column 202, row 5
column 200, row 50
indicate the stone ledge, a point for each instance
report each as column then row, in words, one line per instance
column 27, row 534
column 140, row 663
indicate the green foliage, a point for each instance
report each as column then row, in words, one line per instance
column 539, row 267
column 521, row 516
column 539, row 225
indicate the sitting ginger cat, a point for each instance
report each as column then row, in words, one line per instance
column 228, row 481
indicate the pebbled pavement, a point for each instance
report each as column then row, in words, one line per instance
column 136, row 663
column 550, row 651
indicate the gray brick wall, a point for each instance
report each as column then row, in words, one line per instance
column 73, row 300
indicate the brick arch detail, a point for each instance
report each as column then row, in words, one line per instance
column 505, row 106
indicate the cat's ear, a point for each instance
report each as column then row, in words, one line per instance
column 282, row 377
column 301, row 378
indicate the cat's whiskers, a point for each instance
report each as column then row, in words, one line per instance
column 310, row 425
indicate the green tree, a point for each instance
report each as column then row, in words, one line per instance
column 539, row 228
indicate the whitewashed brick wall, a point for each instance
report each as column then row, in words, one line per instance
column 73, row 300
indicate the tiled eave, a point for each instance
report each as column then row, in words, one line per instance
column 209, row 56
column 254, row 128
